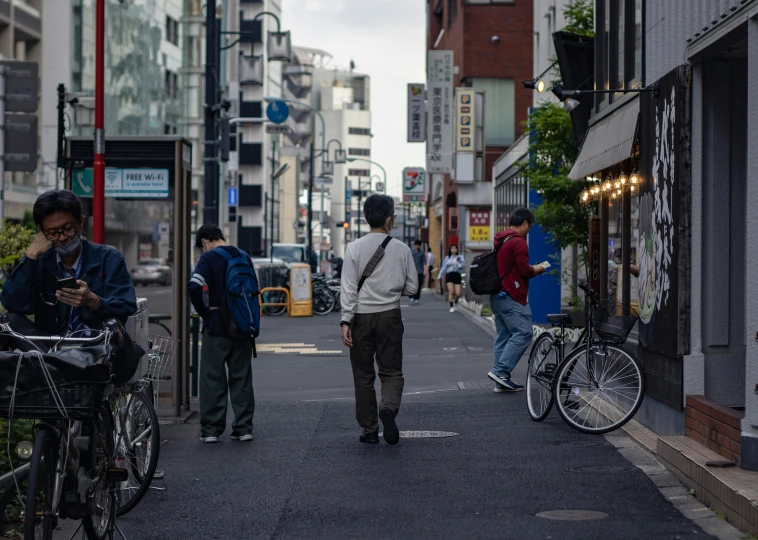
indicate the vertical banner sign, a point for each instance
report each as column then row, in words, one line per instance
column 416, row 113
column 465, row 130
column 663, row 250
column 440, row 117
column 466, row 120
column 414, row 185
column 479, row 226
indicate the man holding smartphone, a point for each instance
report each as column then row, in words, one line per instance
column 510, row 308
column 66, row 282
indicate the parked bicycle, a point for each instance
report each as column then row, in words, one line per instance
column 323, row 299
column 71, row 471
column 598, row 387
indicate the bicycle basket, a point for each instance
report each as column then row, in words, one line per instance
column 160, row 357
column 613, row 322
column 78, row 383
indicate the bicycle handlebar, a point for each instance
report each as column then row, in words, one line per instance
column 6, row 328
column 588, row 291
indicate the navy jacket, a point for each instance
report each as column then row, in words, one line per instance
column 33, row 283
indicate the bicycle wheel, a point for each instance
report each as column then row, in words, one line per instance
column 323, row 301
column 600, row 392
column 101, row 458
column 39, row 514
column 137, row 448
column 543, row 361
column 274, row 297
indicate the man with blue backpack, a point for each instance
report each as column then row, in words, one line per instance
column 224, row 291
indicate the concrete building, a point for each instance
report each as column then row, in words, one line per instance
column 492, row 44
column 21, row 39
column 342, row 96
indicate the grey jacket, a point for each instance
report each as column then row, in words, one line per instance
column 419, row 259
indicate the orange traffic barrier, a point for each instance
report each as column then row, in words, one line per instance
column 282, row 289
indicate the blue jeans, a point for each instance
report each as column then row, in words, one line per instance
column 514, row 333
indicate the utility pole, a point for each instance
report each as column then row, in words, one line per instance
column 211, row 184
column 2, row 144
column 98, row 168
column 310, row 194
column 61, row 127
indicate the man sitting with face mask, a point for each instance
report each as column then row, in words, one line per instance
column 104, row 289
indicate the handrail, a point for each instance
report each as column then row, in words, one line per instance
column 281, row 289
column 7, row 477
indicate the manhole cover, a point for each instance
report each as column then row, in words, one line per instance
column 601, row 469
column 482, row 384
column 572, row 515
column 425, row 434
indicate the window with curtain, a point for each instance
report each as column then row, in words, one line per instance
column 499, row 110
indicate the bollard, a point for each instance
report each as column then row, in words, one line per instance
column 195, row 353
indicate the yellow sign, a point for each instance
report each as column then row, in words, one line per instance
column 478, row 234
column 465, row 124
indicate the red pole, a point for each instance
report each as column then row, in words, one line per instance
column 98, row 197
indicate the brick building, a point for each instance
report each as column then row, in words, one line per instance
column 492, row 46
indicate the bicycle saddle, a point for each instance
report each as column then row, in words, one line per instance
column 558, row 318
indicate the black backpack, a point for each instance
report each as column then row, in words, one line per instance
column 483, row 275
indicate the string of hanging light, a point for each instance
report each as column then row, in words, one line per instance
column 610, row 189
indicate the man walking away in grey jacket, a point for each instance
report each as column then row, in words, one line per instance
column 372, row 326
column 419, row 259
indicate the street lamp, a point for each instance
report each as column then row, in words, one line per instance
column 384, row 187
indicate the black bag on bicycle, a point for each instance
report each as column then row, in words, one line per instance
column 125, row 353
column 484, row 277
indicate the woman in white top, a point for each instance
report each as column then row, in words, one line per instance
column 451, row 267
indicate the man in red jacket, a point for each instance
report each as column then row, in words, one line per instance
column 513, row 317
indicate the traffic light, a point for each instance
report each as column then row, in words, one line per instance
column 344, row 224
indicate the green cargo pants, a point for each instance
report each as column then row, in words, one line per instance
column 218, row 354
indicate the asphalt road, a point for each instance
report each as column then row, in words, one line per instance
column 306, row 475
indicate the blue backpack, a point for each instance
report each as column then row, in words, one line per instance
column 242, row 292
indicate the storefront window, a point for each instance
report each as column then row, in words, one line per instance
column 509, row 196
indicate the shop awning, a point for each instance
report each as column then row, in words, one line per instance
column 608, row 142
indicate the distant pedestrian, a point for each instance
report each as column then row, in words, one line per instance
column 451, row 268
column 222, row 351
column 419, row 259
column 513, row 317
column 376, row 273
column 430, row 268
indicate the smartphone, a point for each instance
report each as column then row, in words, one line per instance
column 67, row 283
column 545, row 264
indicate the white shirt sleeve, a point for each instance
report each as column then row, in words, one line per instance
column 349, row 286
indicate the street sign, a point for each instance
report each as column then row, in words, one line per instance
column 20, row 142
column 323, row 181
column 124, row 183
column 21, row 87
column 277, row 111
column 278, row 128
column 232, row 196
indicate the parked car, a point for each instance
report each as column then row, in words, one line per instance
column 149, row 271
column 292, row 253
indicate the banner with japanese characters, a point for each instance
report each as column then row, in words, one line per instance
column 441, row 112
column 479, row 226
column 416, row 113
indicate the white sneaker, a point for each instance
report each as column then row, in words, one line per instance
column 210, row 439
column 452, row 309
column 242, row 438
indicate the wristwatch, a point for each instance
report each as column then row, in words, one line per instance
column 344, row 323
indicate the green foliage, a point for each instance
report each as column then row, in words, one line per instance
column 20, row 430
column 14, row 239
column 580, row 17
column 29, row 221
column 553, row 152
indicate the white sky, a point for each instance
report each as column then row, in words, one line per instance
column 387, row 41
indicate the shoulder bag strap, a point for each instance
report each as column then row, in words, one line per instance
column 378, row 254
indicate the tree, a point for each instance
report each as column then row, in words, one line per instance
column 580, row 16
column 552, row 153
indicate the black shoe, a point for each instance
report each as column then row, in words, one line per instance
column 391, row 433
column 369, row 438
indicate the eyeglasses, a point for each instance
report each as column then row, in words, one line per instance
column 68, row 231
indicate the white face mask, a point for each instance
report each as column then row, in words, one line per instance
column 70, row 248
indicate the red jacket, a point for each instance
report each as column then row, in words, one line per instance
column 516, row 250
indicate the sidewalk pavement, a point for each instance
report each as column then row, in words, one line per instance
column 306, row 475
